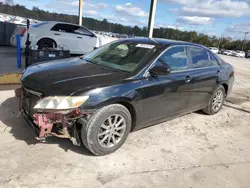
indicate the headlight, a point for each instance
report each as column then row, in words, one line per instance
column 60, row 102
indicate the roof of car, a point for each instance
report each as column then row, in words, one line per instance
column 59, row 22
column 159, row 41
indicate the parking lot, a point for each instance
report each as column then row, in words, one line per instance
column 192, row 151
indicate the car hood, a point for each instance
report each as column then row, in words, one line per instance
column 69, row 76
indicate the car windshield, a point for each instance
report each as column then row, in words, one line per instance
column 120, row 56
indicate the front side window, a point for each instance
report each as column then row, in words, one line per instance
column 120, row 56
column 199, row 57
column 176, row 58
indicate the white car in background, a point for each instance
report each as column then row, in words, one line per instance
column 239, row 54
column 228, row 52
column 18, row 21
column 51, row 34
column 2, row 18
column 214, row 50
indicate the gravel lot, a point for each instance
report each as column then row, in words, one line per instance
column 192, row 151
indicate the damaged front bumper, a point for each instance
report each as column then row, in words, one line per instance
column 60, row 124
column 46, row 125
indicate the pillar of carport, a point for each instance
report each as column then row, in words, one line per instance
column 151, row 19
column 80, row 11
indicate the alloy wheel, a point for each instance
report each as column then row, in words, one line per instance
column 217, row 100
column 111, row 131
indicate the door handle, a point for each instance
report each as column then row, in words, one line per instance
column 187, row 79
column 218, row 72
column 57, row 34
column 79, row 37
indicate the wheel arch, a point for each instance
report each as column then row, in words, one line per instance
column 225, row 85
column 46, row 38
column 127, row 103
column 131, row 110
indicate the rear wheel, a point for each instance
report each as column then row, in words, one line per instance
column 45, row 44
column 216, row 101
column 107, row 129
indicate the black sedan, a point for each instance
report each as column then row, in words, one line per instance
column 98, row 99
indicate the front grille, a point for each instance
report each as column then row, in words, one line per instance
column 29, row 100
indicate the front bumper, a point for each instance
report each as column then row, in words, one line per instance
column 31, row 122
column 26, row 100
column 49, row 123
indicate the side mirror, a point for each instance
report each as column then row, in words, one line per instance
column 159, row 70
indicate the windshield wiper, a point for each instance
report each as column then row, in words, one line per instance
column 88, row 60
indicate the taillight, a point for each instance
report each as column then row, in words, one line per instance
column 23, row 31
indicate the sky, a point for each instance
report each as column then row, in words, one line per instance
column 230, row 18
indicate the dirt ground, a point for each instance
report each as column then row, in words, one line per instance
column 192, row 151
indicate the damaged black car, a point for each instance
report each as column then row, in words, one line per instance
column 98, row 99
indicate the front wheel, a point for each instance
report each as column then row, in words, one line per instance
column 216, row 101
column 107, row 129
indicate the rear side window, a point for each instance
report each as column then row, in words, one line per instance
column 199, row 57
column 219, row 60
column 81, row 31
column 213, row 60
column 176, row 58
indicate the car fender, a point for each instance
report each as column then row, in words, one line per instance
column 91, row 106
column 101, row 97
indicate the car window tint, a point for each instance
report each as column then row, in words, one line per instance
column 176, row 58
column 213, row 60
column 199, row 57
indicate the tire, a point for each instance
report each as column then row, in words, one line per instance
column 210, row 110
column 45, row 44
column 90, row 133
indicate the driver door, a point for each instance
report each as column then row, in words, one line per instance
column 168, row 95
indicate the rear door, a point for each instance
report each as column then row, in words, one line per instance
column 65, row 37
column 205, row 72
column 86, row 40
